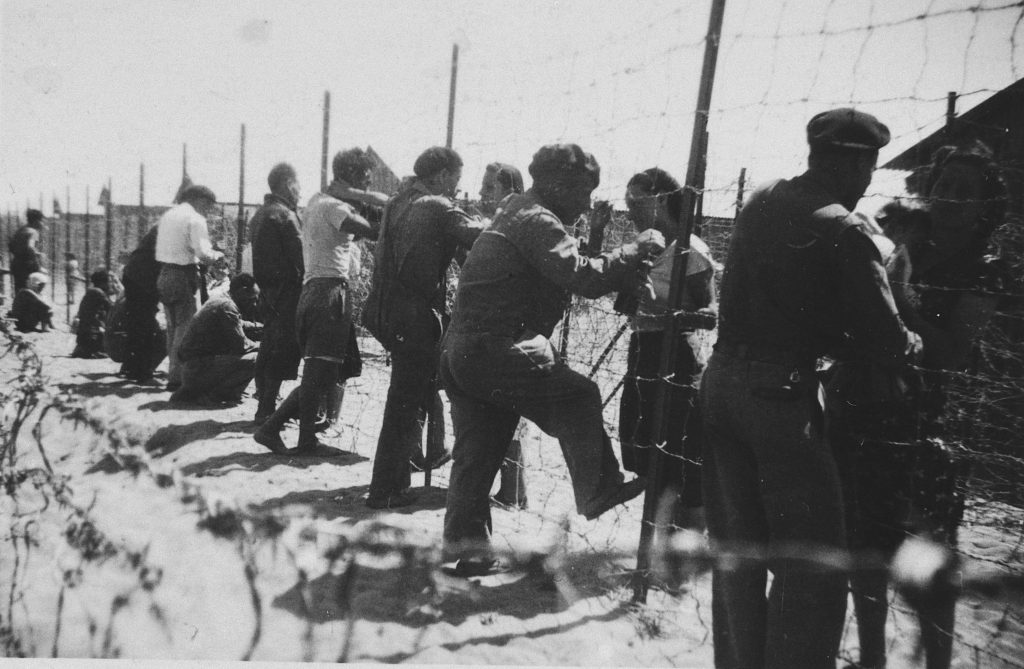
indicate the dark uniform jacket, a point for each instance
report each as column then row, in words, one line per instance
column 419, row 236
column 277, row 255
column 522, row 270
column 141, row 271
column 804, row 279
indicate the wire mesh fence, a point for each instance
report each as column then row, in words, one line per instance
column 781, row 64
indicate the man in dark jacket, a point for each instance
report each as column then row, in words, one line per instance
column 278, row 269
column 497, row 360
column 217, row 353
column 802, row 280
column 92, row 317
column 145, row 342
column 406, row 310
column 24, row 247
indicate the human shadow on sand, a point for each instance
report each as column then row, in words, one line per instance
column 396, row 595
column 102, row 385
column 260, row 462
column 170, row 438
column 349, row 503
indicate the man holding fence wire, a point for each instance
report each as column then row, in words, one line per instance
column 497, row 361
column 802, row 280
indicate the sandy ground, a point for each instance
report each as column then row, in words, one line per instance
column 173, row 589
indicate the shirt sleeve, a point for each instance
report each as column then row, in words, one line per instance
column 291, row 238
column 336, row 211
column 873, row 322
column 462, row 227
column 199, row 238
column 556, row 255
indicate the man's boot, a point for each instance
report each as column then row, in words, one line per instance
column 318, row 377
column 269, row 389
column 269, row 433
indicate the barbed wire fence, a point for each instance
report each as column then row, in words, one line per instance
column 641, row 91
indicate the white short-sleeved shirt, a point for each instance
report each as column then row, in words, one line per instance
column 182, row 237
column 655, row 301
column 327, row 250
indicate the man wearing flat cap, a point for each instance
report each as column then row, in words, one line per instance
column 497, row 360
column 803, row 280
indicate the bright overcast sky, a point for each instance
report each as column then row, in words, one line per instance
column 92, row 89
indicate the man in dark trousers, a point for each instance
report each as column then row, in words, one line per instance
column 323, row 318
column 406, row 311
column 218, row 356
column 26, row 257
column 278, row 269
column 498, row 363
column 145, row 342
column 802, row 280
column 92, row 316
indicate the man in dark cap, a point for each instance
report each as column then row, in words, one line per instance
column 497, row 363
column 217, row 352
column 802, row 280
column 405, row 310
column 23, row 245
column 278, row 268
column 182, row 242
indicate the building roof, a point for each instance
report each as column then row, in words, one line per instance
column 990, row 121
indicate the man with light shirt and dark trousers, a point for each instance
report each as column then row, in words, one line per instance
column 497, row 360
column 182, row 242
column 323, row 321
column 406, row 311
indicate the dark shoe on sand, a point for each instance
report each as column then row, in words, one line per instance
column 271, row 440
column 613, row 497
column 403, row 498
column 474, row 567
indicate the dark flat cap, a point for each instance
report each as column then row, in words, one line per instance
column 847, row 128
column 564, row 160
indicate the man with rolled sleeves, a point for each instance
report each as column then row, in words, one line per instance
column 182, row 242
column 802, row 280
column 497, row 360
column 405, row 310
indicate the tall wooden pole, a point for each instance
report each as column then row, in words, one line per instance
column 670, row 340
column 143, row 219
column 241, row 203
column 69, row 293
column 54, row 232
column 109, row 255
column 184, row 161
column 739, row 191
column 451, row 95
column 88, row 237
column 323, row 147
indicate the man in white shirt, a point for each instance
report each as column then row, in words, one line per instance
column 323, row 319
column 182, row 242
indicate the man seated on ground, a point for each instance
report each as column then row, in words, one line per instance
column 217, row 353
column 29, row 310
column 92, row 316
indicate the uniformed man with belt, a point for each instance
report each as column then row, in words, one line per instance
column 802, row 280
